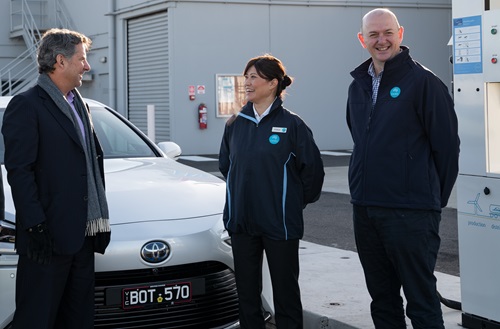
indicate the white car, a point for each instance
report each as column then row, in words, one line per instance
column 169, row 263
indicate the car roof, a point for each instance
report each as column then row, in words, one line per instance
column 4, row 100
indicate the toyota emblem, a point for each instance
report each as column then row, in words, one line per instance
column 155, row 251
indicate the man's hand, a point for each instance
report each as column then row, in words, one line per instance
column 40, row 244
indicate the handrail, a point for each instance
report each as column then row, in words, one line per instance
column 17, row 82
column 18, row 74
column 62, row 17
column 28, row 22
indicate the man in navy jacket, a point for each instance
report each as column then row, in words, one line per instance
column 402, row 171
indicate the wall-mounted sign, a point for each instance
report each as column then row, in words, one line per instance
column 230, row 94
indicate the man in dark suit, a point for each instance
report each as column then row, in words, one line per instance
column 55, row 169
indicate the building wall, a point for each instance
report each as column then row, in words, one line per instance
column 316, row 40
column 9, row 48
column 317, row 44
column 89, row 17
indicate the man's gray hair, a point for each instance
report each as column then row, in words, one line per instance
column 58, row 41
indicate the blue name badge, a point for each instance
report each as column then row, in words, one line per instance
column 274, row 139
column 395, row 92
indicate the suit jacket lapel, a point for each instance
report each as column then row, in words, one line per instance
column 62, row 118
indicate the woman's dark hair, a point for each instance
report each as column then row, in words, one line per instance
column 269, row 68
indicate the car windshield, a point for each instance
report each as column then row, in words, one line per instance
column 118, row 139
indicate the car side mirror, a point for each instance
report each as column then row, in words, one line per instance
column 170, row 149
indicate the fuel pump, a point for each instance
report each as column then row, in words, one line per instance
column 476, row 89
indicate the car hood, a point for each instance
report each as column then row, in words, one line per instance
column 152, row 189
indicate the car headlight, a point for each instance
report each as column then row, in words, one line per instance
column 7, row 231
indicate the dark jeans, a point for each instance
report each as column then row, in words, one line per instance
column 283, row 260
column 398, row 248
column 59, row 295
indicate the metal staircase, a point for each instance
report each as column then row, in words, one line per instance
column 29, row 20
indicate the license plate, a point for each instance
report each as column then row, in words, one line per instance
column 158, row 294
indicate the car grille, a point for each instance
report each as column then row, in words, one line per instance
column 216, row 308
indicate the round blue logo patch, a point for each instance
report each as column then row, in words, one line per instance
column 395, row 92
column 274, row 139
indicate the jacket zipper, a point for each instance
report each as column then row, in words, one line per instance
column 365, row 151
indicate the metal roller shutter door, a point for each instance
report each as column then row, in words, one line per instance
column 147, row 72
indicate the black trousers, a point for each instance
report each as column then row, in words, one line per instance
column 398, row 248
column 59, row 295
column 283, row 260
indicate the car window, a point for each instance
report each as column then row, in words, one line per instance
column 118, row 139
